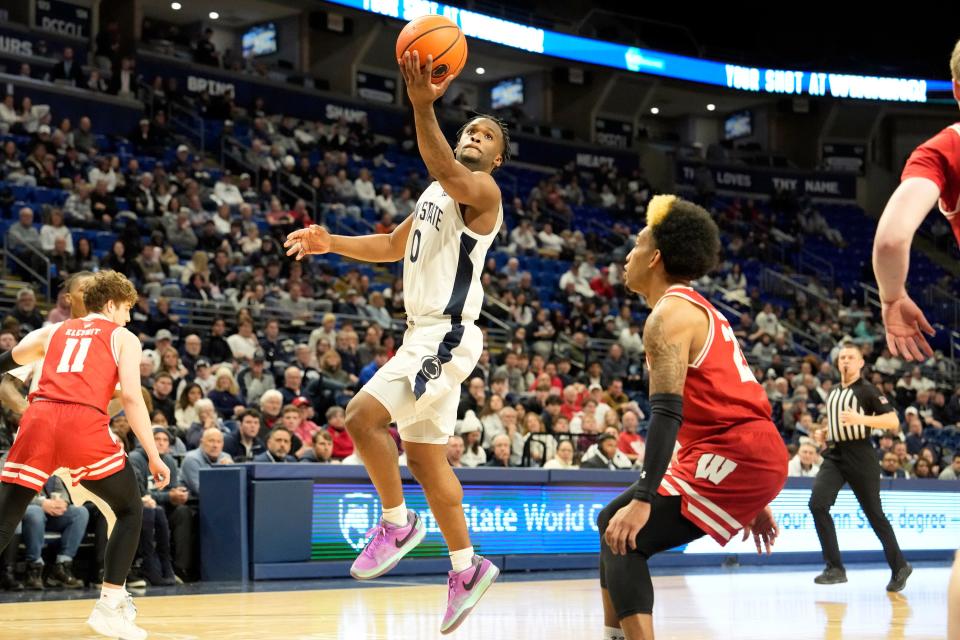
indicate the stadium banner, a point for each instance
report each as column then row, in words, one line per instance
column 555, row 154
column 749, row 180
column 838, row 156
column 812, row 83
column 24, row 42
column 562, row 519
column 64, row 18
column 611, row 132
column 376, row 87
column 279, row 97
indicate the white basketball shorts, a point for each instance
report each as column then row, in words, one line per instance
column 420, row 385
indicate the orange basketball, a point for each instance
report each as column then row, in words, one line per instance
column 437, row 36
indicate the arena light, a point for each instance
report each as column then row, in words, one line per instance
column 711, row 107
column 176, row 6
column 659, row 63
column 654, row 110
column 481, row 71
column 214, row 15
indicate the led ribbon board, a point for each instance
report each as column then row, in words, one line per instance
column 527, row 519
column 659, row 63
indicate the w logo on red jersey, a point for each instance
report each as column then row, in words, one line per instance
column 714, row 468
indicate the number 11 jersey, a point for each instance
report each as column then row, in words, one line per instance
column 80, row 365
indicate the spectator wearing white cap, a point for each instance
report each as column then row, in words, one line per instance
column 182, row 161
column 161, row 340
column 472, row 433
column 247, row 191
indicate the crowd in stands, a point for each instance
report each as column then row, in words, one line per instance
column 264, row 373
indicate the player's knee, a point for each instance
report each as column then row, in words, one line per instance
column 128, row 509
column 603, row 519
column 416, row 467
column 358, row 418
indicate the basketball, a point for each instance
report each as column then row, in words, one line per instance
column 437, row 36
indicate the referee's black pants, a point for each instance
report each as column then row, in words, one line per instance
column 853, row 462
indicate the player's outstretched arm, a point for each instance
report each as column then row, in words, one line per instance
column 477, row 189
column 28, row 350
column 135, row 408
column 903, row 321
column 376, row 247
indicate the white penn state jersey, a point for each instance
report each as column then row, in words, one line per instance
column 444, row 260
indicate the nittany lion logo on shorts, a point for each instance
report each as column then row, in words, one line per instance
column 430, row 367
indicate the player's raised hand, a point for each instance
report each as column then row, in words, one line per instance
column 906, row 325
column 160, row 473
column 313, row 240
column 764, row 529
column 420, row 89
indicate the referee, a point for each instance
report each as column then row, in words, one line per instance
column 854, row 409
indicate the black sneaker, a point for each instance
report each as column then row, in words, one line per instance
column 135, row 579
column 8, row 581
column 899, row 579
column 34, row 581
column 61, row 577
column 831, row 575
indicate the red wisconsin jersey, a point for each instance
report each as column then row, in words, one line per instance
column 938, row 160
column 80, row 365
column 731, row 461
column 720, row 391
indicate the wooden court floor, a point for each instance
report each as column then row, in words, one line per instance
column 723, row 605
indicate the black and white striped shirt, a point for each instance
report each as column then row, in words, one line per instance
column 861, row 397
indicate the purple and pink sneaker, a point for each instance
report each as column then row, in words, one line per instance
column 387, row 547
column 465, row 590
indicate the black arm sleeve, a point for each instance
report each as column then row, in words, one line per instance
column 667, row 413
column 7, row 362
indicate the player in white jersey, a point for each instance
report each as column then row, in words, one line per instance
column 443, row 245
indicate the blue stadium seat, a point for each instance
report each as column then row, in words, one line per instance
column 104, row 241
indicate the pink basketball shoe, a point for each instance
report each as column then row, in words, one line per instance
column 387, row 547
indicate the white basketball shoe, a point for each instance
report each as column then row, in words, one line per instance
column 116, row 622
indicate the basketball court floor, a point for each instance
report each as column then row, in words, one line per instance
column 716, row 604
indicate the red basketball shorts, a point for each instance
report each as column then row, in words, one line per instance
column 60, row 434
column 724, row 481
